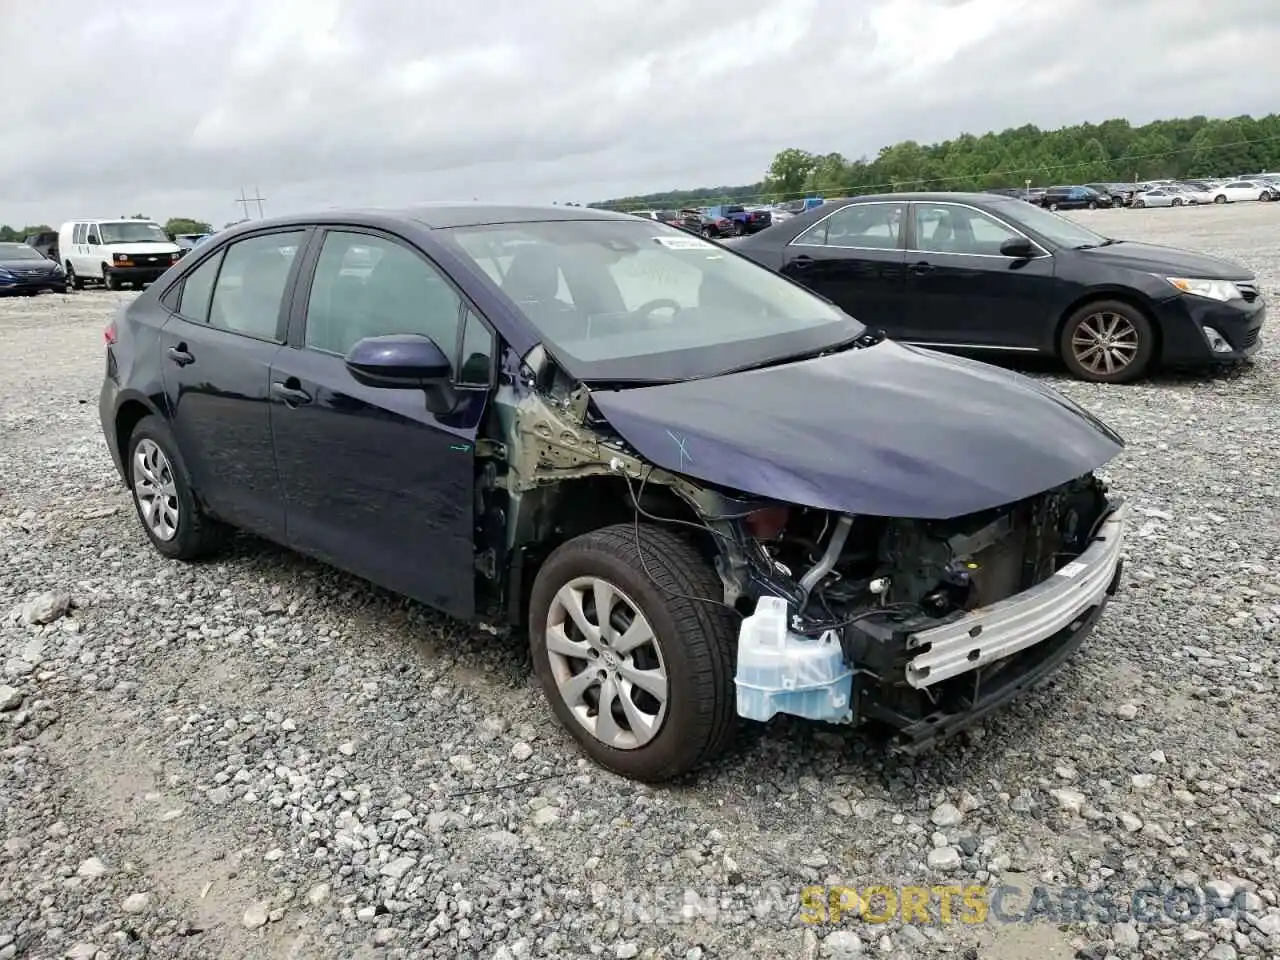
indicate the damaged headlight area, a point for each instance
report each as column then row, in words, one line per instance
column 921, row 624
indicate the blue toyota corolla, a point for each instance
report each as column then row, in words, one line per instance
column 708, row 493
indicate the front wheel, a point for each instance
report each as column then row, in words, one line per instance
column 1093, row 205
column 1107, row 341
column 73, row 281
column 1220, row 198
column 1053, row 207
column 1139, row 204
column 1177, row 201
column 109, row 279
column 634, row 651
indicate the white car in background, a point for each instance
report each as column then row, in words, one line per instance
column 1194, row 193
column 1243, row 190
column 1160, row 196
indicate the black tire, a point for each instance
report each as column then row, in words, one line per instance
column 73, row 280
column 1139, row 204
column 1177, row 201
column 1053, row 207
column 1220, row 198
column 109, row 279
column 198, row 535
column 1266, row 196
column 1141, row 358
column 708, row 233
column 697, row 639
column 1093, row 204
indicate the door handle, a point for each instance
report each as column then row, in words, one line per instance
column 291, row 395
column 180, row 355
column 922, row 266
column 802, row 262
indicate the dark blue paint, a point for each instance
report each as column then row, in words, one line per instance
column 886, row 430
column 400, row 360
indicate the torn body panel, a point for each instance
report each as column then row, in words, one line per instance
column 890, row 591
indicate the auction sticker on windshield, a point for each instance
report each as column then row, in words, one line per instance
column 684, row 243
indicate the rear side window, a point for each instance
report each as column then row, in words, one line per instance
column 250, row 286
column 77, row 233
column 197, row 290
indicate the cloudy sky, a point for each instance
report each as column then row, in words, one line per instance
column 169, row 108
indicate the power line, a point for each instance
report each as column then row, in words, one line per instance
column 777, row 196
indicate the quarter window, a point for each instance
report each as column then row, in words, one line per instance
column 944, row 228
column 250, row 286
column 368, row 286
column 197, row 290
column 77, row 234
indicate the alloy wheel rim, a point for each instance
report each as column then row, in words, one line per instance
column 1105, row 343
column 607, row 663
column 155, row 490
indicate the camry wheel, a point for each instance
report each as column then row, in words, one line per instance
column 633, row 650
column 172, row 520
column 1107, row 342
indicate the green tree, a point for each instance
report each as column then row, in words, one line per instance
column 176, row 225
column 788, row 172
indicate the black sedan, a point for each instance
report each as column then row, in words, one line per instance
column 534, row 416
column 24, row 270
column 987, row 273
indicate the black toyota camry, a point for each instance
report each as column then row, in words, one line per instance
column 984, row 273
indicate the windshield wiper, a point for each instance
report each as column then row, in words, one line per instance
column 868, row 338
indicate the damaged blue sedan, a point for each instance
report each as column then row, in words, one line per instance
column 708, row 493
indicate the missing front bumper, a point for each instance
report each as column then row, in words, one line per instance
column 999, row 631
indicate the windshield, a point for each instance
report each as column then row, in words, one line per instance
column 618, row 300
column 132, row 231
column 19, row 251
column 1055, row 229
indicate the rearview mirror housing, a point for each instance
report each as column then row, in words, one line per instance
column 1019, row 248
column 91, row 240
column 401, row 360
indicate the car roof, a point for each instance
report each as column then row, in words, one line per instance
column 440, row 215
column 931, row 196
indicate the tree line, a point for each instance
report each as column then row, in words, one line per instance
column 1111, row 151
column 172, row 226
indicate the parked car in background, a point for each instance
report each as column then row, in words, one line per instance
column 23, row 269
column 115, row 252
column 1074, row 198
column 1240, row 190
column 745, row 221
column 44, row 243
column 1119, row 194
column 704, row 224
column 976, row 272
column 520, row 414
column 662, row 216
column 189, row 241
column 1160, row 196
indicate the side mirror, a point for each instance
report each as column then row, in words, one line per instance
column 92, row 239
column 1019, row 248
column 402, row 360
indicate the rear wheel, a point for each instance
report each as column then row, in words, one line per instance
column 1093, row 204
column 1107, row 342
column 1220, row 198
column 172, row 520
column 1139, row 203
column 1053, row 207
column 1177, row 201
column 633, row 652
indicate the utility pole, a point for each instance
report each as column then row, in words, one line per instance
column 245, row 200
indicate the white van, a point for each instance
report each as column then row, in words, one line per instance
column 115, row 252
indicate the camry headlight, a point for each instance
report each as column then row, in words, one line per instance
column 1223, row 290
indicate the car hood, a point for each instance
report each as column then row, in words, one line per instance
column 28, row 264
column 1166, row 261
column 887, row 430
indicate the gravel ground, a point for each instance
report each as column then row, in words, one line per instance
column 261, row 757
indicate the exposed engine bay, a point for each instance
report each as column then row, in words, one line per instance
column 868, row 582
